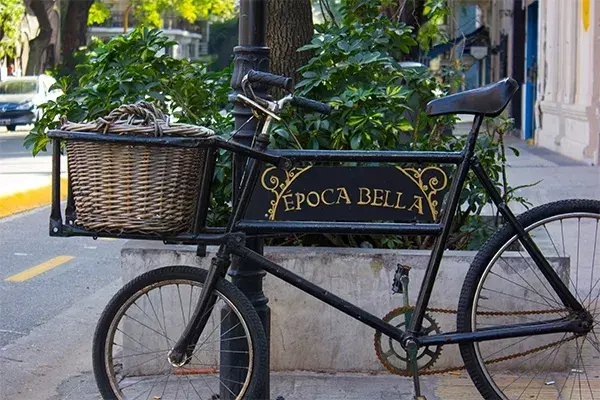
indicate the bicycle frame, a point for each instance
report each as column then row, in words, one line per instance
column 465, row 161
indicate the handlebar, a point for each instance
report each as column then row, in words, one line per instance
column 265, row 78
column 311, row 105
column 287, row 84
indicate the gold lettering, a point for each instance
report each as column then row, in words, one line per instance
column 323, row 197
column 387, row 196
column 343, row 194
column 418, row 204
column 398, row 197
column 311, row 204
column 367, row 192
column 289, row 202
column 300, row 198
column 377, row 198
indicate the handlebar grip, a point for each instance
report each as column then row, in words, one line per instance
column 311, row 105
column 271, row 80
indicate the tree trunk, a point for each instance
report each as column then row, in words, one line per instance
column 39, row 44
column 289, row 26
column 75, row 30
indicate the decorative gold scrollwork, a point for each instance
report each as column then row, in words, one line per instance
column 277, row 181
column 430, row 180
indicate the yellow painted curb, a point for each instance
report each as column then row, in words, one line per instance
column 30, row 199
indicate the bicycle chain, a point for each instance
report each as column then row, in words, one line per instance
column 493, row 361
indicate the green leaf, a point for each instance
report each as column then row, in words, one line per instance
column 355, row 142
column 344, row 46
column 310, row 74
column 405, row 126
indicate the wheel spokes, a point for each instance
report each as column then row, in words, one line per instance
column 145, row 331
column 547, row 367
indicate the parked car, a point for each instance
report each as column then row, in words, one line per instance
column 20, row 98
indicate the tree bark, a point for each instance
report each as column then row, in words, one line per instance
column 39, row 44
column 74, row 31
column 289, row 26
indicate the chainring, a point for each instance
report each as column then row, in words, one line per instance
column 391, row 354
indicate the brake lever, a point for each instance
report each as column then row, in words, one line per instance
column 281, row 103
column 257, row 106
column 249, row 92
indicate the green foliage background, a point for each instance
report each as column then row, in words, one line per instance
column 356, row 67
column 150, row 12
column 11, row 14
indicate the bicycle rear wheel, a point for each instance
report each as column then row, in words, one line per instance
column 145, row 318
column 504, row 286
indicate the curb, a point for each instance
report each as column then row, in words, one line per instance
column 29, row 199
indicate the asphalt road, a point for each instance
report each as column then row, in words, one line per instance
column 24, row 244
column 11, row 143
column 47, row 318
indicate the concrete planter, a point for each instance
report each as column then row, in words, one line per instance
column 309, row 335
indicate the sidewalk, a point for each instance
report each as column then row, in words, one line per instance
column 561, row 177
column 323, row 386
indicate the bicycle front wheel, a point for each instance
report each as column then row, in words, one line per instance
column 504, row 286
column 146, row 317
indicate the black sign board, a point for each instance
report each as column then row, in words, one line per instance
column 349, row 193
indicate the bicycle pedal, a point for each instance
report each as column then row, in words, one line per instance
column 400, row 279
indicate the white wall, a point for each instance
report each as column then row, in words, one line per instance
column 568, row 107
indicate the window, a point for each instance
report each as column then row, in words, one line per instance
column 19, row 86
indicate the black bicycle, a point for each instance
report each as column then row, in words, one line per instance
column 526, row 315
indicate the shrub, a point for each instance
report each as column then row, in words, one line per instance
column 379, row 104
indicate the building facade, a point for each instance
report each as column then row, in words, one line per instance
column 567, row 112
column 552, row 49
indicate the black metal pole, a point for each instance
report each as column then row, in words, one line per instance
column 251, row 53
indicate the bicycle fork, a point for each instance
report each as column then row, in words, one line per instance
column 182, row 352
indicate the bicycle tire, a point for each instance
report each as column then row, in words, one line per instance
column 483, row 261
column 241, row 305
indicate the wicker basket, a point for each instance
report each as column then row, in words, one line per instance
column 124, row 188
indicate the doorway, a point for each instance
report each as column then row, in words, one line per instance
column 531, row 66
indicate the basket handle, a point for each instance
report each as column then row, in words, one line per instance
column 142, row 113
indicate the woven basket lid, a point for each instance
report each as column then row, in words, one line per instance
column 140, row 119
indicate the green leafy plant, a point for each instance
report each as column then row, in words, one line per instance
column 430, row 34
column 379, row 103
column 130, row 68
